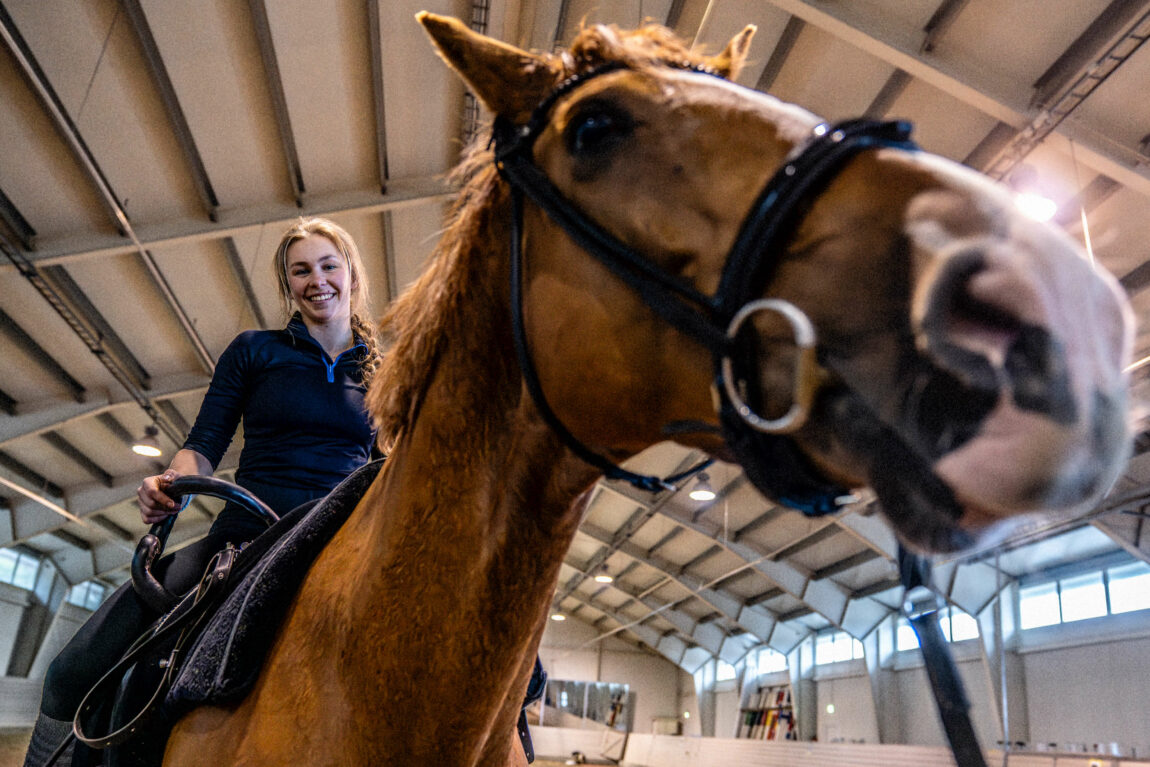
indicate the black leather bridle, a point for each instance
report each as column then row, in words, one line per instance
column 768, row 456
column 772, row 462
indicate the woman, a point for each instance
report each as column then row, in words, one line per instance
column 299, row 393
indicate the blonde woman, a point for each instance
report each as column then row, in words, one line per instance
column 299, row 394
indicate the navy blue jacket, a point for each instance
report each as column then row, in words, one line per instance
column 305, row 426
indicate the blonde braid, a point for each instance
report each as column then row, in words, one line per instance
column 370, row 338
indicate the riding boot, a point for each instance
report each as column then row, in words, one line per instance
column 47, row 735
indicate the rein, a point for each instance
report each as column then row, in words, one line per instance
column 769, row 458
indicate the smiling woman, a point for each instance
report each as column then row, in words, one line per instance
column 299, row 393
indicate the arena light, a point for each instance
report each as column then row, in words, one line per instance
column 702, row 490
column 148, row 445
column 1028, row 193
column 1035, row 205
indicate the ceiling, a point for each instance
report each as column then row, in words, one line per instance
column 152, row 152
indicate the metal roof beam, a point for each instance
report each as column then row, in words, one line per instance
column 86, row 312
column 7, row 403
column 29, row 475
column 888, row 94
column 37, row 352
column 171, row 102
column 16, row 222
column 111, row 527
column 84, row 502
column 845, row 564
column 1065, row 98
column 375, row 38
column 757, row 620
column 825, row 596
column 1106, row 28
column 35, row 417
column 74, row 454
column 940, row 21
column 176, row 232
column 974, row 88
column 38, row 81
column 54, row 106
column 779, row 55
column 275, row 88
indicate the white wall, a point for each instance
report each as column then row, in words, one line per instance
column 918, row 723
column 570, row 651
column 727, row 714
column 846, row 687
column 1096, row 692
column 13, row 603
column 65, row 623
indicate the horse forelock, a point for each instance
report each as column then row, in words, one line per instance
column 650, row 45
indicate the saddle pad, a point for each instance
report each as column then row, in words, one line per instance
column 224, row 661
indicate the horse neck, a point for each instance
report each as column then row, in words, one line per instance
column 456, row 551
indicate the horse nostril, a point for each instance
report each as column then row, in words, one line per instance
column 962, row 334
column 1039, row 377
column 974, row 328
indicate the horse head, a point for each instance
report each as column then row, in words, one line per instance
column 963, row 360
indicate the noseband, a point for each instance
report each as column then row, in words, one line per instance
column 770, row 459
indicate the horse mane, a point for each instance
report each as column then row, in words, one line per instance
column 451, row 294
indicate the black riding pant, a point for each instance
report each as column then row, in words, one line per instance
column 121, row 619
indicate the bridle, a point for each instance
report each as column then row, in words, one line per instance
column 772, row 462
column 762, row 446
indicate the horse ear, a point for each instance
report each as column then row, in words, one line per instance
column 509, row 81
column 730, row 61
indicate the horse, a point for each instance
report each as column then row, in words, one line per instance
column 898, row 325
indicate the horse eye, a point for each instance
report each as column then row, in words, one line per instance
column 597, row 130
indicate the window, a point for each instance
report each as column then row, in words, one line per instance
column 1118, row 589
column 1038, row 605
column 956, row 625
column 1129, row 587
column 1083, row 597
column 962, row 626
column 19, row 568
column 904, row 636
column 836, row 646
column 771, row 660
column 724, row 671
column 88, row 594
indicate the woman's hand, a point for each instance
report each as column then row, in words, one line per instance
column 155, row 505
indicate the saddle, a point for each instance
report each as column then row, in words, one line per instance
column 209, row 648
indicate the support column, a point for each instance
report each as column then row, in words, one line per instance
column 1003, row 666
column 801, row 664
column 878, row 652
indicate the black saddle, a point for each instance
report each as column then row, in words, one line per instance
column 129, row 712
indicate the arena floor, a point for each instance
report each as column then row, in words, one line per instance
column 13, row 744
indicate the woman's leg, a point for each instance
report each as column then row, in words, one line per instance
column 102, row 641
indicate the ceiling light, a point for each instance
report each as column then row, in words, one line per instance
column 1036, row 206
column 702, row 490
column 1029, row 194
column 148, row 445
column 558, row 617
column 603, row 576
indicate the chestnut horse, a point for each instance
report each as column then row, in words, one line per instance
column 963, row 360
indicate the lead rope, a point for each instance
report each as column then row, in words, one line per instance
column 921, row 606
